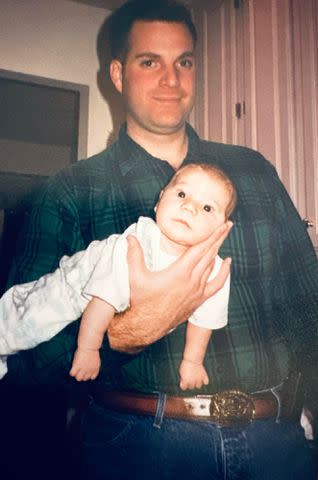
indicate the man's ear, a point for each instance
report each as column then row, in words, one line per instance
column 116, row 74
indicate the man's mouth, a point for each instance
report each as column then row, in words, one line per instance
column 168, row 98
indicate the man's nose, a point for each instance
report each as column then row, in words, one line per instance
column 170, row 76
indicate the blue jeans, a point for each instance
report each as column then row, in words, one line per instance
column 119, row 446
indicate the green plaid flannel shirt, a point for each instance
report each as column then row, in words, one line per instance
column 273, row 307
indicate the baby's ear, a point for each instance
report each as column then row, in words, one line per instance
column 155, row 208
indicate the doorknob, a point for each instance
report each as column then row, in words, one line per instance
column 309, row 223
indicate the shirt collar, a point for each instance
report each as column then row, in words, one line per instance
column 133, row 153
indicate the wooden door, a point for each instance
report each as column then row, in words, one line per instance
column 258, row 86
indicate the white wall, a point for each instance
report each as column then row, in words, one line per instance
column 57, row 39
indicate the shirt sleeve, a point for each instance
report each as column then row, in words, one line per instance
column 213, row 313
column 38, row 310
column 109, row 279
column 295, row 309
column 51, row 229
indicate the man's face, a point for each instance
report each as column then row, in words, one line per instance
column 157, row 78
column 191, row 208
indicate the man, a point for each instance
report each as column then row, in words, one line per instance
column 139, row 423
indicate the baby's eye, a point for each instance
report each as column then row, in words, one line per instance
column 181, row 194
column 207, row 208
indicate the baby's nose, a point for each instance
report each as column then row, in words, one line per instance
column 190, row 206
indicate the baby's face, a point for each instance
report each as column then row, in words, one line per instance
column 191, row 209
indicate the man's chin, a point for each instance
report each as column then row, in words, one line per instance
column 169, row 126
column 168, row 120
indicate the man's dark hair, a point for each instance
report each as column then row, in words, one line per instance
column 121, row 21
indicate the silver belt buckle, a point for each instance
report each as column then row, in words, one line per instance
column 231, row 407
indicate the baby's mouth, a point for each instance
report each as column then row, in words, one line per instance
column 183, row 222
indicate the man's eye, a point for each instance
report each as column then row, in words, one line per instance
column 207, row 208
column 186, row 62
column 181, row 194
column 147, row 63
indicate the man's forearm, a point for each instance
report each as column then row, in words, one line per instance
column 132, row 331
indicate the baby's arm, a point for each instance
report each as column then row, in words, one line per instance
column 192, row 372
column 95, row 321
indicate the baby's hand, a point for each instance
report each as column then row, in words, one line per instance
column 86, row 365
column 192, row 375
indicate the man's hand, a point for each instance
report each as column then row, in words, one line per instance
column 160, row 301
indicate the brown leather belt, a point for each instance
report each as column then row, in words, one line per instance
column 225, row 408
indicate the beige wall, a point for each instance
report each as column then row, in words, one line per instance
column 56, row 39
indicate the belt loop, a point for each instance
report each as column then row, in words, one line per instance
column 160, row 410
column 276, row 393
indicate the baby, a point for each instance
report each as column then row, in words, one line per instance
column 94, row 282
